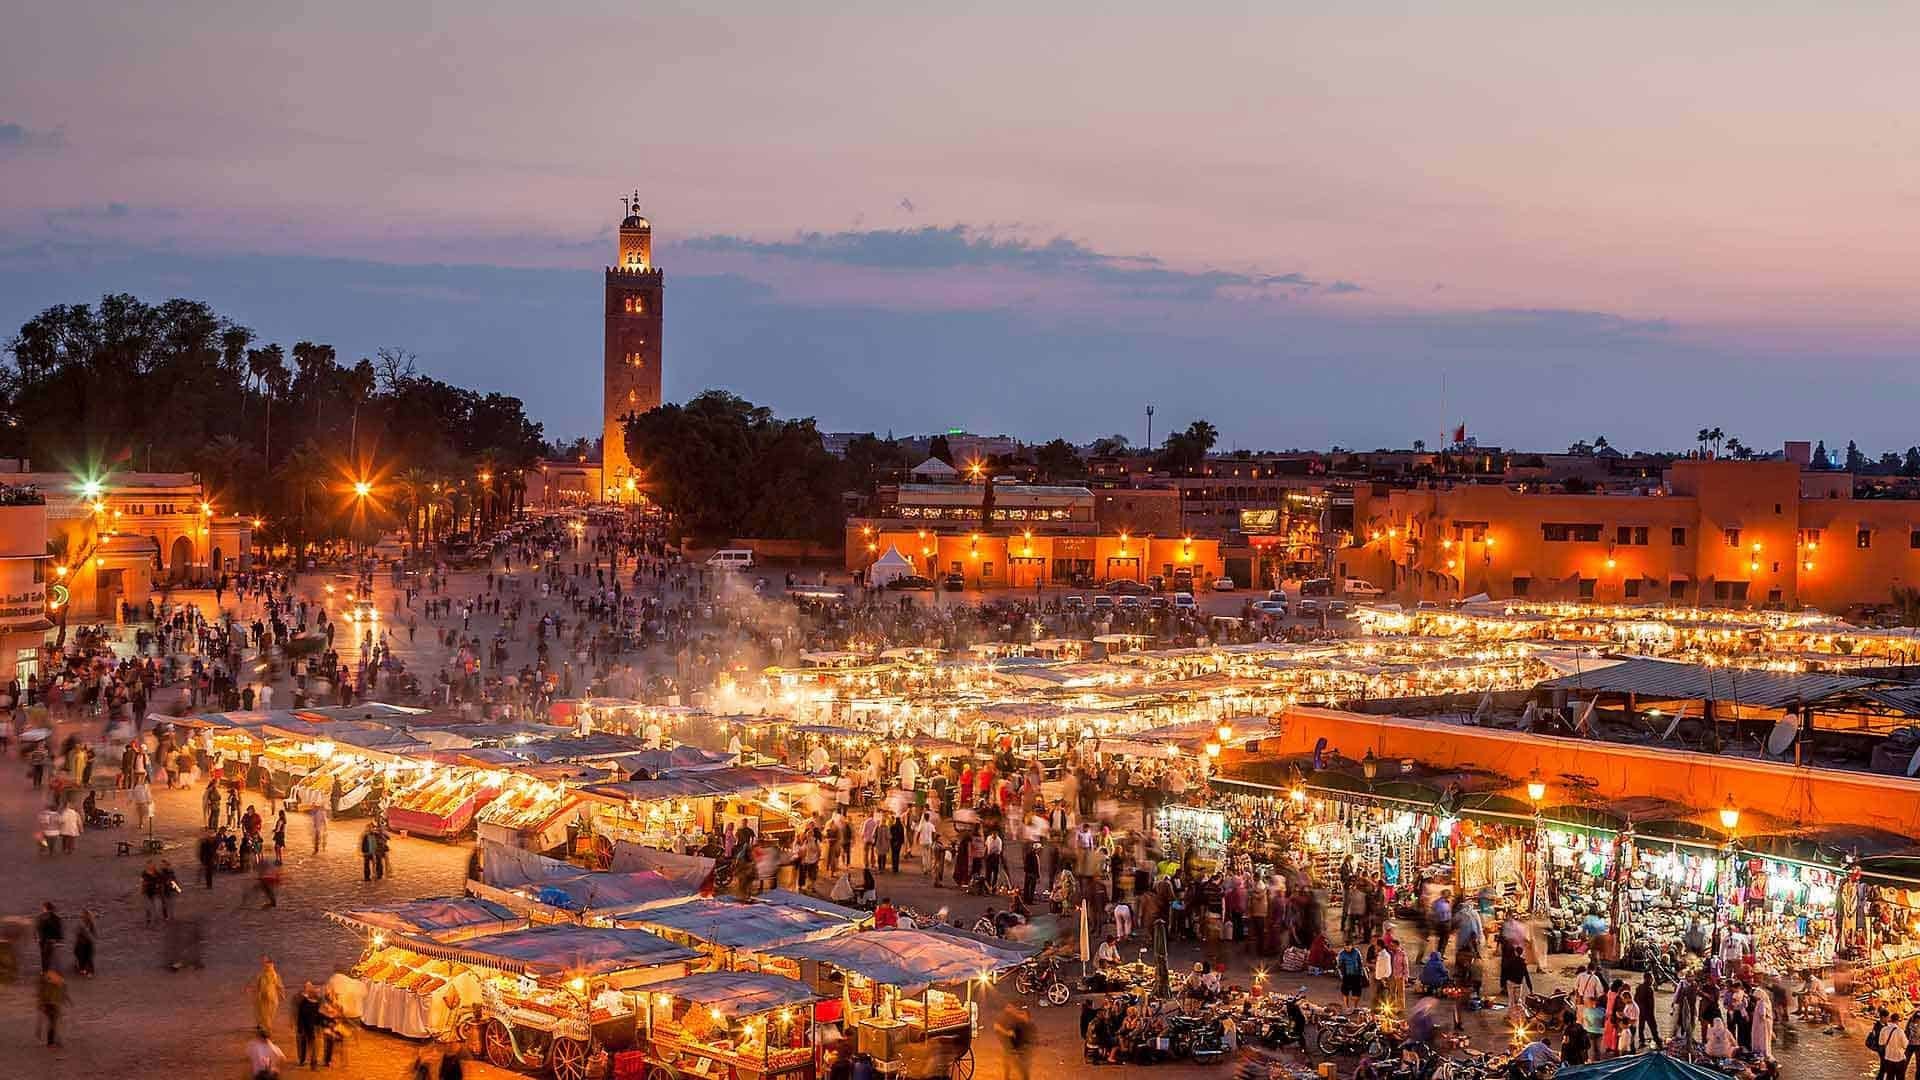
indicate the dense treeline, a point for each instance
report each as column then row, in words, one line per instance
column 276, row 432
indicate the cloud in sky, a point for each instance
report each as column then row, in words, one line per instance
column 18, row 138
column 966, row 247
column 1269, row 375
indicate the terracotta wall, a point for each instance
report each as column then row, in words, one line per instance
column 1772, row 797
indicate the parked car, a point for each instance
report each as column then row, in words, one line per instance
column 1157, row 603
column 1103, row 602
column 1183, row 601
column 1337, row 608
column 1311, row 605
column 1277, row 595
column 1123, row 587
column 1362, row 589
column 1224, row 584
column 1128, row 601
column 1270, row 607
column 954, row 582
column 910, row 581
column 1075, row 603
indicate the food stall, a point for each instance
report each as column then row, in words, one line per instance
column 400, row 990
column 680, row 811
column 528, row 813
column 555, row 997
column 904, row 994
column 728, row 1025
column 442, row 801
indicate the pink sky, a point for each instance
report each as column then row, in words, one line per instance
column 1750, row 175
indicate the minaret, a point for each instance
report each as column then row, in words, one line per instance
column 634, row 288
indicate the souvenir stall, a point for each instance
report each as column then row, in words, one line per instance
column 725, row 1025
column 725, row 928
column 528, row 813
column 899, row 990
column 1201, row 830
column 555, row 997
column 1787, row 892
column 1582, row 859
column 1492, row 849
column 441, row 801
column 1672, row 882
column 398, row 989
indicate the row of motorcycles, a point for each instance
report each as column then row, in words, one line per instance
column 1191, row 1030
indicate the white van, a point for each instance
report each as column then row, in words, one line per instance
column 732, row 559
column 1362, row 588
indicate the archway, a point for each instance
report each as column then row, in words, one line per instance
column 215, row 564
column 180, row 561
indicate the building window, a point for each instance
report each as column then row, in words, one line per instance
column 1570, row 532
column 1678, row 537
column 1631, row 587
column 1776, row 508
column 1810, row 536
column 1774, row 596
column 1586, row 588
column 1676, row 590
column 986, row 569
column 1633, row 535
column 634, row 360
column 1521, row 585
column 1913, row 539
column 1475, row 531
column 1733, row 537
column 1863, row 538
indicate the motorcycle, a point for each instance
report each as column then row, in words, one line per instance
column 1333, row 1034
column 1545, row 1011
column 1200, row 1038
column 1042, row 977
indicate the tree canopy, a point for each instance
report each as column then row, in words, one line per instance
column 727, row 467
column 273, row 431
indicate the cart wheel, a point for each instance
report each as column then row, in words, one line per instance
column 466, row 1032
column 962, row 1067
column 568, row 1057
column 1059, row 993
column 662, row 1072
column 498, row 1042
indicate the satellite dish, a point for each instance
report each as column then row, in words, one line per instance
column 1780, row 739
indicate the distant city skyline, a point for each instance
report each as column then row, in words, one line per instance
column 1310, row 227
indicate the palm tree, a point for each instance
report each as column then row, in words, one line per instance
column 1703, row 436
column 60, row 547
column 1717, row 436
column 303, row 473
column 359, row 381
column 414, row 483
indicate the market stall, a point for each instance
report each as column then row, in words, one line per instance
column 556, row 997
column 722, row 928
column 899, row 989
column 401, row 990
column 549, row 891
column 729, row 1025
column 528, row 813
column 441, row 802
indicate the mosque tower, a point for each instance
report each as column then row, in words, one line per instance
column 632, row 383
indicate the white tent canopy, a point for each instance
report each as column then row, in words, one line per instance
column 888, row 567
column 934, row 468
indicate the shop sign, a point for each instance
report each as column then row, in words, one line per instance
column 26, row 607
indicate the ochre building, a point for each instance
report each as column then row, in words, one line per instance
column 1728, row 533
